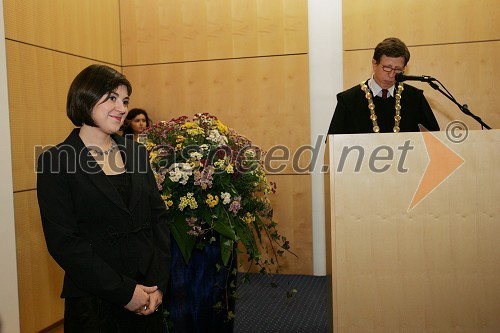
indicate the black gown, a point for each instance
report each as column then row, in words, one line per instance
column 353, row 116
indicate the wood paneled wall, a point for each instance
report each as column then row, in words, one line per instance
column 40, row 279
column 453, row 41
column 179, row 31
column 265, row 99
column 246, row 63
column 47, row 44
column 86, row 29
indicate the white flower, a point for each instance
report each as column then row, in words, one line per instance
column 180, row 172
column 195, row 155
column 250, row 153
column 216, row 137
column 226, row 197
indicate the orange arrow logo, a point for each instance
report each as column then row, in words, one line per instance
column 443, row 162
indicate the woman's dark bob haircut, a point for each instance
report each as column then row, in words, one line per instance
column 87, row 89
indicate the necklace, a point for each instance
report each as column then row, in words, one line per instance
column 101, row 152
column 371, row 106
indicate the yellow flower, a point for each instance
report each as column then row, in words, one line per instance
column 192, row 128
column 195, row 164
column 229, row 169
column 180, row 138
column 188, row 200
column 212, row 201
column 150, row 144
column 189, row 124
column 221, row 127
column 197, row 131
column 248, row 218
column 219, row 164
column 153, row 155
column 167, row 201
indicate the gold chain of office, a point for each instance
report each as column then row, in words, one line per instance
column 371, row 106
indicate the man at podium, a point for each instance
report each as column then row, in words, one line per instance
column 381, row 104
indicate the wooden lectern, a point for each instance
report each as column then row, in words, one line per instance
column 413, row 232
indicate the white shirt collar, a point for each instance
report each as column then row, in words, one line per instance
column 377, row 90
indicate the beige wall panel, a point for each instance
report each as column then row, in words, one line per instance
column 38, row 81
column 432, row 269
column 420, row 22
column 292, row 211
column 467, row 70
column 40, row 278
column 174, row 31
column 89, row 28
column 265, row 99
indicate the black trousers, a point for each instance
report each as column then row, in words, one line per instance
column 94, row 315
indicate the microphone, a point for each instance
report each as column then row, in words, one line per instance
column 400, row 77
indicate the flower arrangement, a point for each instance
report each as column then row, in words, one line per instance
column 213, row 181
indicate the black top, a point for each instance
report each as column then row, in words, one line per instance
column 121, row 182
column 104, row 245
column 353, row 116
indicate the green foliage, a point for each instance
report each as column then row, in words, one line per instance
column 213, row 182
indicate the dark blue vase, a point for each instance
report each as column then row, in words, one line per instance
column 196, row 287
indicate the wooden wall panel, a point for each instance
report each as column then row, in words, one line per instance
column 180, row 58
column 176, row 31
column 47, row 44
column 421, row 22
column 40, row 278
column 451, row 40
column 468, row 71
column 292, row 212
column 38, row 81
column 265, row 99
column 89, row 28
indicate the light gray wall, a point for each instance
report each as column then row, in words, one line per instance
column 325, row 74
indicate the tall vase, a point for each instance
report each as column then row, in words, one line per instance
column 196, row 287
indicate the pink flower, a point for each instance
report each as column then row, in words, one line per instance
column 235, row 205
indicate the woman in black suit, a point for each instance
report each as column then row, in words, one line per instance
column 103, row 218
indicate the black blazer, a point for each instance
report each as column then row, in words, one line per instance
column 353, row 116
column 104, row 246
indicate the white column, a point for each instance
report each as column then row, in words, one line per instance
column 9, row 304
column 325, row 74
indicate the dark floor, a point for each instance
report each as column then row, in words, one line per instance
column 263, row 308
column 266, row 305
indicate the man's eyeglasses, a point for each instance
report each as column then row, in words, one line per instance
column 389, row 69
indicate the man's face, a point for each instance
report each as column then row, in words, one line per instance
column 385, row 71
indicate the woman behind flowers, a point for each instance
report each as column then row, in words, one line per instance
column 103, row 218
column 213, row 183
column 135, row 124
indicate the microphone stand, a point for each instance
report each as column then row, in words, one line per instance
column 464, row 108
